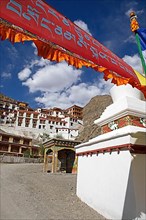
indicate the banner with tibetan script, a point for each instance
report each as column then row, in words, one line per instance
column 44, row 22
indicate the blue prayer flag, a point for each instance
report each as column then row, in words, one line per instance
column 142, row 37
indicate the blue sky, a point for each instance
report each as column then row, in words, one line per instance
column 41, row 83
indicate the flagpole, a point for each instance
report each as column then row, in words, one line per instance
column 134, row 28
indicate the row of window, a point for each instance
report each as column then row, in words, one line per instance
column 34, row 115
column 15, row 140
column 41, row 122
column 27, row 115
column 72, row 119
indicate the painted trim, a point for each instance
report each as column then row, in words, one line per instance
column 136, row 149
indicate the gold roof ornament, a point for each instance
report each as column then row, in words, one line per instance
column 134, row 24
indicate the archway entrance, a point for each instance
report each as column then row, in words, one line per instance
column 61, row 154
column 66, row 160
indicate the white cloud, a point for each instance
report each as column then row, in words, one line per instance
column 83, row 92
column 53, row 99
column 130, row 39
column 127, row 13
column 109, row 44
column 137, row 12
column 77, row 94
column 12, row 51
column 83, row 26
column 134, row 61
column 24, row 74
column 6, row 75
column 41, row 62
column 130, row 4
column 60, row 85
column 35, row 48
column 140, row 12
column 53, row 77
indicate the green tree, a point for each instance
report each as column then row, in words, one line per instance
column 27, row 153
column 59, row 136
column 44, row 138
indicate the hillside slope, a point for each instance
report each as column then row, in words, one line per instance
column 92, row 111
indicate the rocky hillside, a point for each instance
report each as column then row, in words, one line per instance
column 92, row 111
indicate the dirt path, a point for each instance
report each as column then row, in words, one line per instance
column 28, row 193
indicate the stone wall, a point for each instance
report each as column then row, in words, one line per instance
column 15, row 159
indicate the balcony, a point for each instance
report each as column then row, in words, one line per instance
column 5, row 139
column 26, row 142
column 15, row 149
column 3, row 148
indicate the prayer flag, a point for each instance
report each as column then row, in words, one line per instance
column 58, row 39
column 142, row 38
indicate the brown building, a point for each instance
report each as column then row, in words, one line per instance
column 15, row 145
column 62, row 155
column 76, row 111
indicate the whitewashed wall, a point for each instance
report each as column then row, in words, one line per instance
column 114, row 185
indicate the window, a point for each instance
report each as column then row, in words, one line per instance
column 16, row 140
column 5, row 139
column 26, row 142
column 34, row 117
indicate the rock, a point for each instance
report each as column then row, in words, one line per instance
column 91, row 112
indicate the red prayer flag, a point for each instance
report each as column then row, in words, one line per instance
column 44, row 21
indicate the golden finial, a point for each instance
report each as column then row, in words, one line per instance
column 134, row 24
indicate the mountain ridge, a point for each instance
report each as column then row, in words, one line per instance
column 93, row 110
